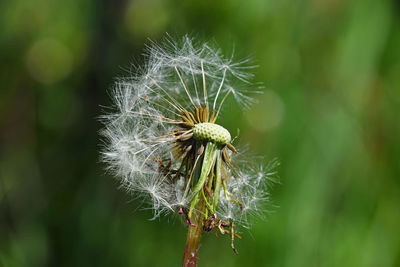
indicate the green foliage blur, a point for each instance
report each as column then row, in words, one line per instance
column 329, row 112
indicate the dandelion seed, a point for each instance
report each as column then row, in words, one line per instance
column 164, row 141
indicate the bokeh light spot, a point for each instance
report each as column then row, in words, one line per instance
column 268, row 113
column 49, row 61
column 146, row 18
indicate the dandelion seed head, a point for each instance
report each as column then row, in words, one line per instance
column 162, row 122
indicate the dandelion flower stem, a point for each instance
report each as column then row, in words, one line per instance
column 193, row 237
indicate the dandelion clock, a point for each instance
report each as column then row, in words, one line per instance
column 164, row 143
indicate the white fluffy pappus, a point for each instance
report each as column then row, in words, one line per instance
column 149, row 139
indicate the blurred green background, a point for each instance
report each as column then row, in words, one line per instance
column 330, row 113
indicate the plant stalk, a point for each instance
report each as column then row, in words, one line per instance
column 193, row 236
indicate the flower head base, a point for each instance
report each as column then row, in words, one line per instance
column 211, row 132
column 163, row 141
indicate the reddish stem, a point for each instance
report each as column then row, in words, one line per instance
column 193, row 237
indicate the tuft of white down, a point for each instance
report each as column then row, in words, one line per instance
column 147, row 106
